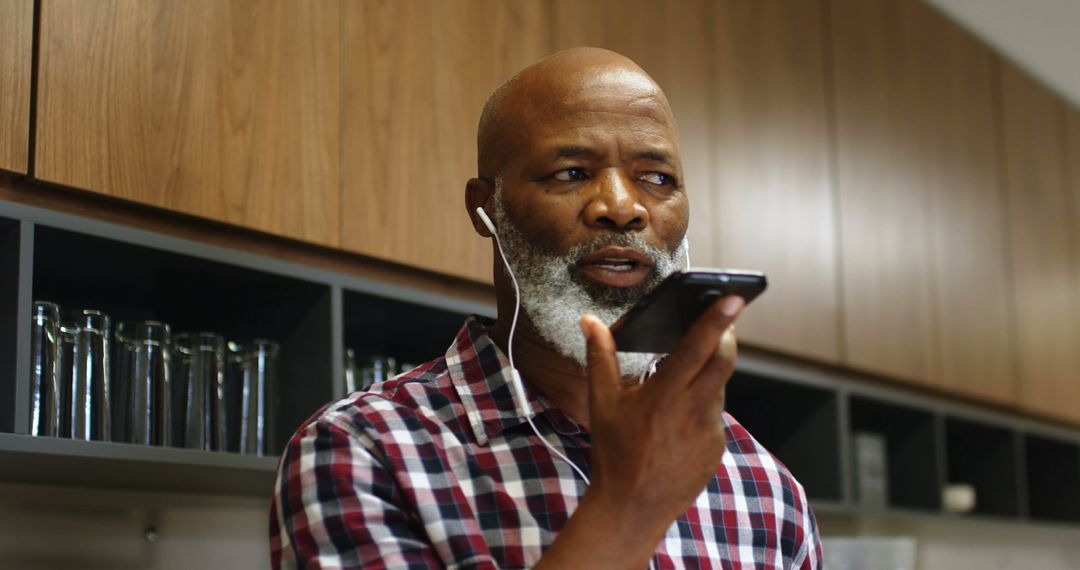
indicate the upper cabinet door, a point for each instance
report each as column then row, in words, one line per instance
column 1043, row 246
column 959, row 150
column 225, row 109
column 1072, row 138
column 16, row 49
column 919, row 199
column 416, row 76
column 885, row 241
column 774, row 203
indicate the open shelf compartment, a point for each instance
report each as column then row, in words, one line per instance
column 412, row 334
column 192, row 293
column 911, row 468
column 1053, row 478
column 984, row 456
column 799, row 424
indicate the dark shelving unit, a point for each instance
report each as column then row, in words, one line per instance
column 986, row 457
column 1052, row 468
column 133, row 282
column 804, row 415
column 798, row 424
column 911, row 450
column 138, row 275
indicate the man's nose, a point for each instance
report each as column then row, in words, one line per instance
column 615, row 203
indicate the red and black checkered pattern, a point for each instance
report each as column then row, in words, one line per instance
column 437, row 468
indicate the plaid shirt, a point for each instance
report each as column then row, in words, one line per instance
column 437, row 468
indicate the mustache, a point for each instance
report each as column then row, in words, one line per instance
column 619, row 239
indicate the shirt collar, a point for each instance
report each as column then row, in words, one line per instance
column 481, row 375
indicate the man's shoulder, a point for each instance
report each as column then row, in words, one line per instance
column 752, row 460
column 413, row 398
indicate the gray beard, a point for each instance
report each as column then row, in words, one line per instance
column 555, row 296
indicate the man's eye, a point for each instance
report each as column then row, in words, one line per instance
column 570, row 175
column 659, row 179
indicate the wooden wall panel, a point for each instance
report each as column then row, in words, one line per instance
column 16, row 47
column 925, row 275
column 1043, row 248
column 673, row 42
column 227, row 110
column 1072, row 139
column 959, row 156
column 417, row 75
column 889, row 303
column 773, row 203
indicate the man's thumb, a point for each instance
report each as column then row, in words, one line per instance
column 602, row 366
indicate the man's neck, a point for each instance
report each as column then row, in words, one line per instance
column 559, row 378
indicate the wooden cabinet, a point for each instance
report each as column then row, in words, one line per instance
column 228, row 110
column 924, row 286
column 885, row 234
column 1072, row 140
column 773, row 200
column 959, row 154
column 16, row 47
column 416, row 76
column 681, row 63
column 1042, row 246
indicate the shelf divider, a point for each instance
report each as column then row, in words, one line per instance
column 16, row 278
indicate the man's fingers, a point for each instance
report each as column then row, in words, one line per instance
column 729, row 349
column 603, row 367
column 717, row 372
column 698, row 346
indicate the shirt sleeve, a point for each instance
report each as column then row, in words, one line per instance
column 336, row 505
column 811, row 547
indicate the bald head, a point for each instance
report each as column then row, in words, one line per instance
column 573, row 80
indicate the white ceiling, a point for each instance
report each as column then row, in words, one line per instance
column 1042, row 36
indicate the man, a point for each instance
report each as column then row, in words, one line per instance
column 579, row 172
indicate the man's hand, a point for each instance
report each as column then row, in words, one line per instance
column 655, row 445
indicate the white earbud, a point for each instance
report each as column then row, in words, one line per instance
column 487, row 221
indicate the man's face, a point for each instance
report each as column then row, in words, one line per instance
column 591, row 208
column 598, row 160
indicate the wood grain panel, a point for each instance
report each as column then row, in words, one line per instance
column 673, row 42
column 227, row 110
column 958, row 152
column 921, row 203
column 1042, row 247
column 773, row 194
column 16, row 51
column 886, row 244
column 1072, row 140
column 417, row 74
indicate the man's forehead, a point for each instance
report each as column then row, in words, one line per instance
column 604, row 89
column 616, row 84
column 581, row 88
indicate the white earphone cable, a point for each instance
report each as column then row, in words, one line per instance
column 518, row 386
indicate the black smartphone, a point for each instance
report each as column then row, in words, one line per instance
column 658, row 321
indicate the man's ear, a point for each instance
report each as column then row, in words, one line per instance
column 478, row 194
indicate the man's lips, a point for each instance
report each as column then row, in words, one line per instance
column 615, row 267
